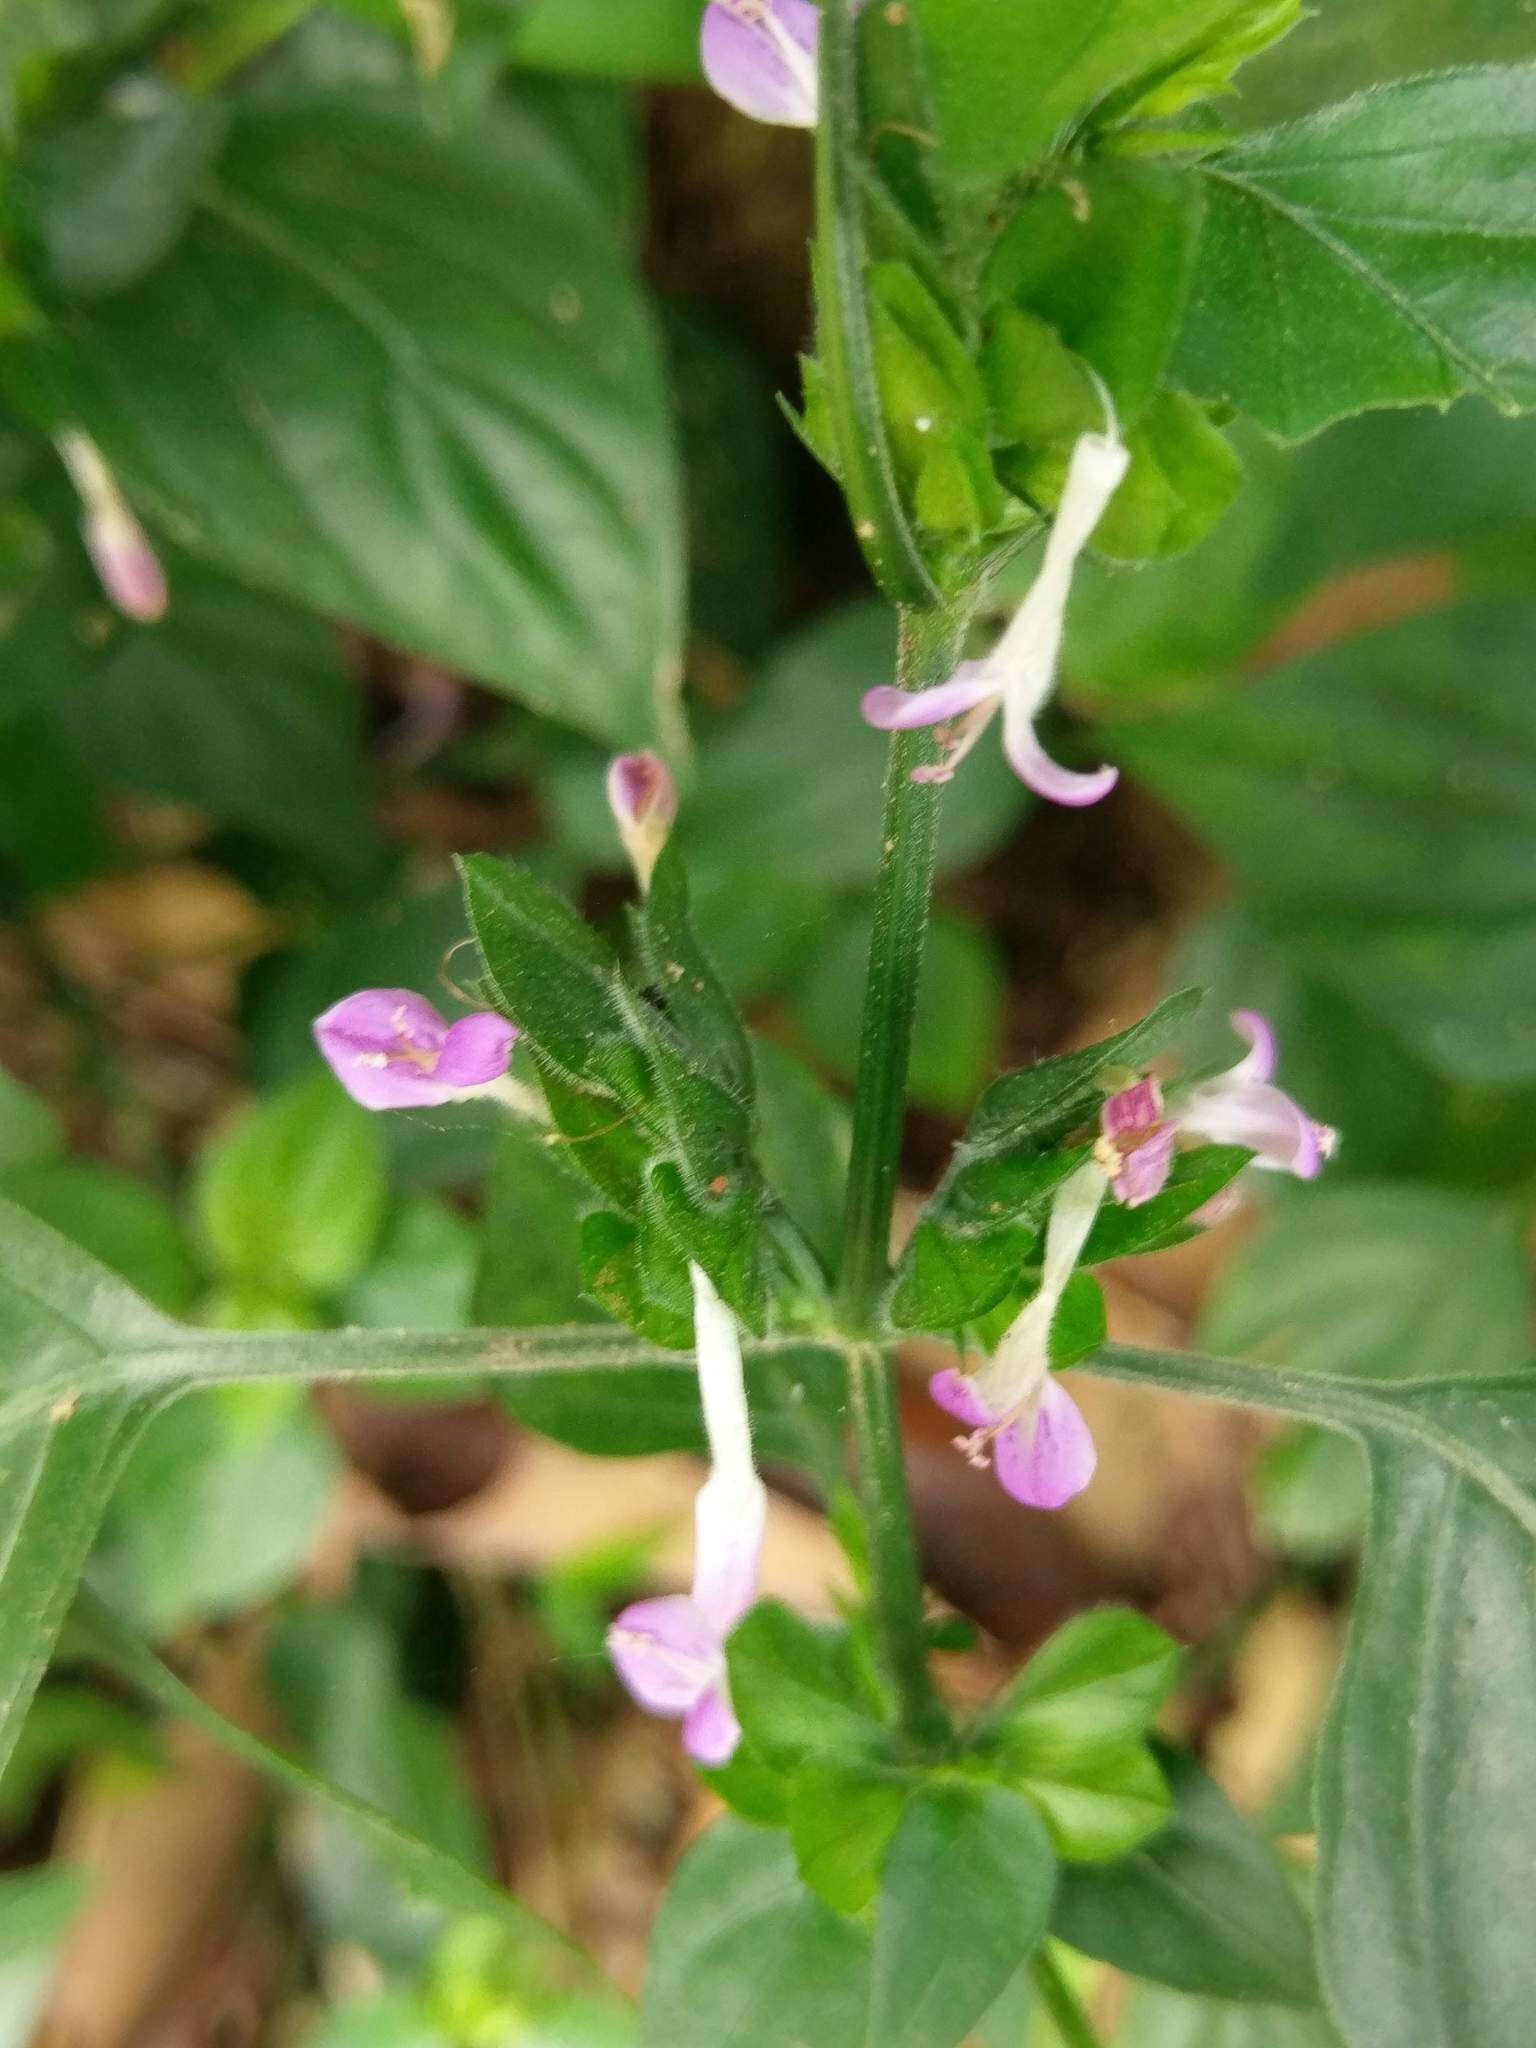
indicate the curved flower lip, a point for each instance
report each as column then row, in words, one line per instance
column 1046, row 777
column 671, row 1659
column 760, row 55
column 1244, row 1107
column 391, row 1049
column 1042, row 1460
column 1263, row 1053
column 1020, row 672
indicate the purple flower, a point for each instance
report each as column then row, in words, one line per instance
column 1136, row 1142
column 1020, row 672
column 761, row 56
column 125, row 561
column 1240, row 1107
column 1021, row 1418
column 390, row 1049
column 1243, row 1107
column 670, row 1652
column 643, row 799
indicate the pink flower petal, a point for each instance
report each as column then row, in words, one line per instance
column 1133, row 1111
column 1264, row 1119
column 384, row 1045
column 476, row 1049
column 893, row 710
column 641, row 790
column 956, row 1395
column 128, row 566
column 1047, row 778
column 711, row 1730
column 1262, row 1055
column 1049, row 1464
column 666, row 1653
column 749, row 49
column 1144, row 1169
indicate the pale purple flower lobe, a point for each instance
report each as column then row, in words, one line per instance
column 760, row 55
column 391, row 1049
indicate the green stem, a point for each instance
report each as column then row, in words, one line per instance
column 928, row 650
column 1060, row 2001
column 896, row 1584
column 929, row 647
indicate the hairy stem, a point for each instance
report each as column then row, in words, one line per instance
column 1060, row 2001
column 928, row 650
column 929, row 647
column 896, row 1583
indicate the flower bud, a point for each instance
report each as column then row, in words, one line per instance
column 125, row 561
column 643, row 799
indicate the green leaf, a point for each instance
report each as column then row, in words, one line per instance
column 530, row 1255
column 182, row 1543
column 1069, row 1733
column 1195, row 1178
column 802, row 1144
column 495, row 445
column 37, row 1909
column 1380, row 1279
column 1378, row 802
column 551, row 972
column 1102, row 1805
column 687, row 987
column 981, row 1225
column 1483, row 1429
column 840, row 1823
column 656, row 40
column 115, row 1218
column 1426, row 1795
column 291, row 1195
column 745, row 1957
column 1104, row 254
column 964, row 1900
column 794, row 1688
column 422, row 1273
column 849, row 397
column 1203, row 1906
column 68, row 1419
column 1374, row 253
column 427, row 1874
column 959, row 1006
column 109, row 197
column 1157, row 2018
column 1311, row 1496
column 30, row 1132
column 336, row 1671
column 1097, row 1683
column 789, row 786
column 1008, row 87
column 233, row 703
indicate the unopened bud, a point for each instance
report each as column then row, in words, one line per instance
column 119, row 547
column 643, row 799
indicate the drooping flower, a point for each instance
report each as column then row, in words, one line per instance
column 1021, row 1418
column 1020, row 672
column 119, row 547
column 761, row 56
column 391, row 1049
column 670, row 1652
column 643, row 799
column 1239, row 1107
